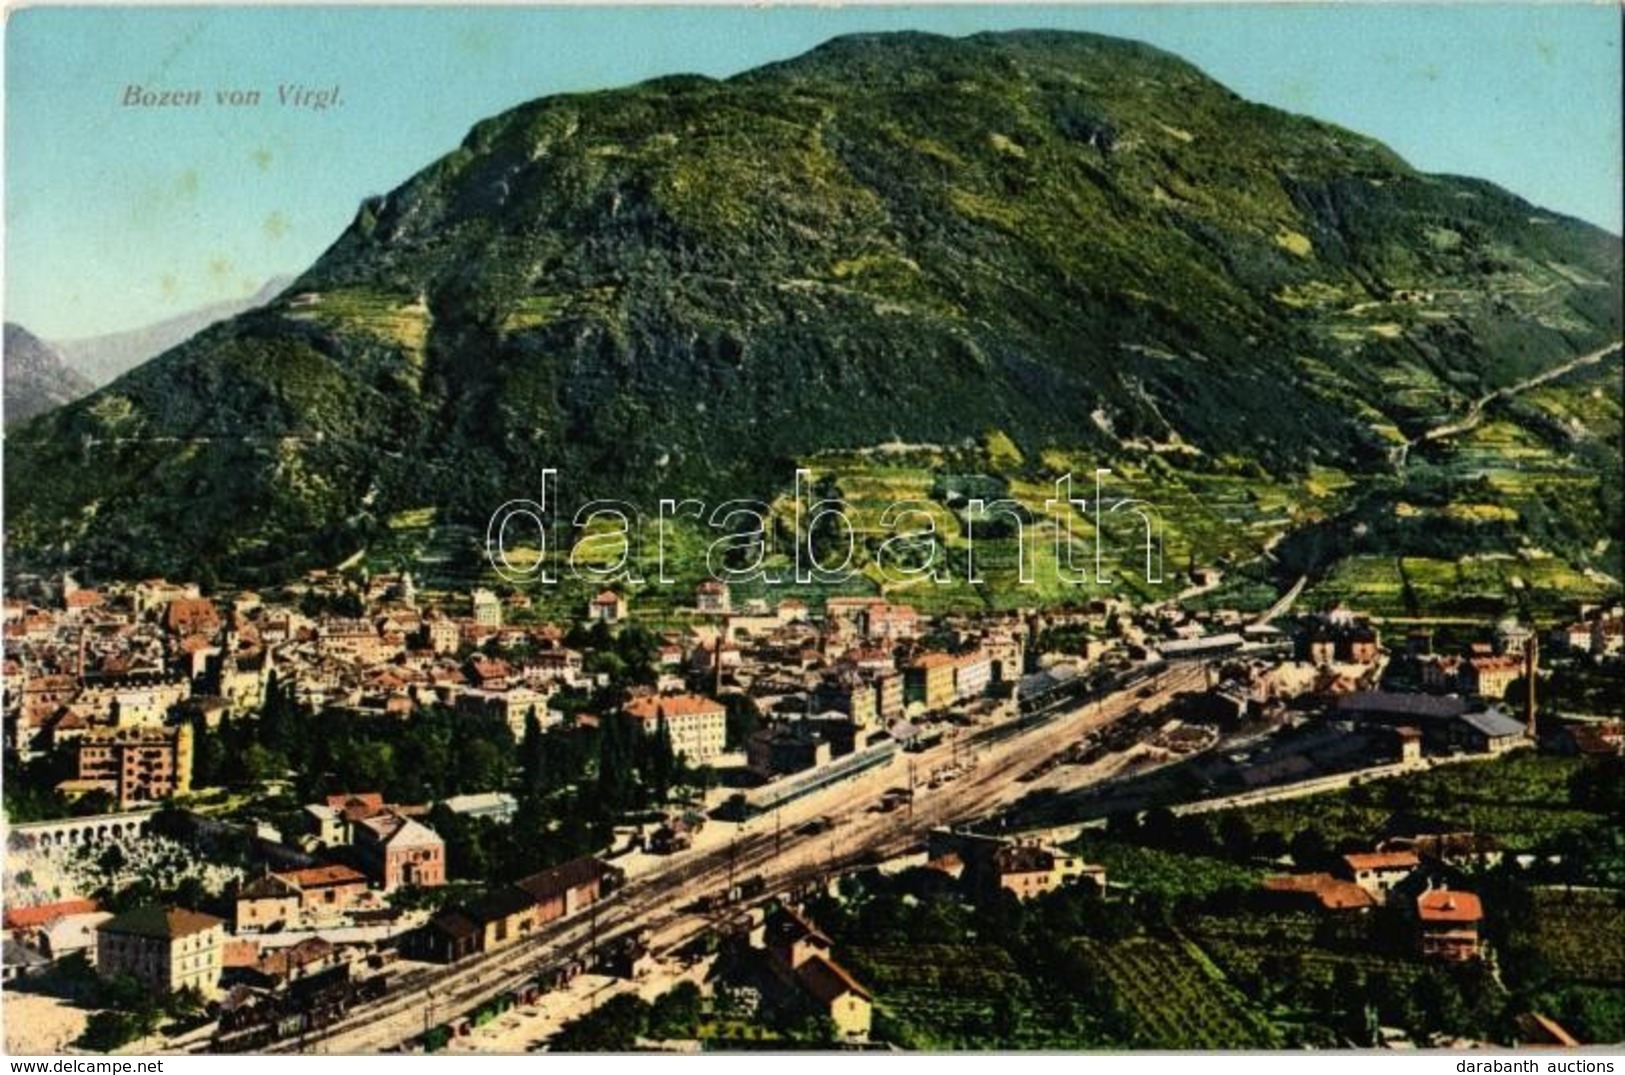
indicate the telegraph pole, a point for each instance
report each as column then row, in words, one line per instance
column 593, row 931
column 733, row 854
column 911, row 789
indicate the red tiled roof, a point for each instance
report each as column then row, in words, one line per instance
column 364, row 798
column 316, row 876
column 46, row 913
column 1448, row 905
column 240, row 953
column 1333, row 894
column 189, row 613
column 160, row 922
column 651, row 708
column 1383, row 860
column 787, row 926
column 828, row 980
column 554, row 883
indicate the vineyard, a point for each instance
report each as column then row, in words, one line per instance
column 1166, row 873
column 1253, row 948
column 1581, row 935
column 967, row 996
column 1173, row 997
column 1521, row 798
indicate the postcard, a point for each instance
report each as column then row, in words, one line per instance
column 1067, row 528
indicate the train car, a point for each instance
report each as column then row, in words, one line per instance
column 258, row 1019
column 747, row 804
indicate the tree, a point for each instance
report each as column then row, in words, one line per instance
column 676, row 1012
column 1194, row 834
column 1123, row 825
column 615, row 762
column 208, row 753
column 261, row 764
column 1309, row 848
column 614, row 1027
column 1159, row 827
column 106, row 1031
column 1347, row 1004
column 1599, row 786
column 1269, row 844
column 661, row 761
column 1236, row 835
column 532, row 758
column 1438, row 1006
column 742, row 720
column 277, row 729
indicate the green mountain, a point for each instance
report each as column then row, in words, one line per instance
column 1081, row 243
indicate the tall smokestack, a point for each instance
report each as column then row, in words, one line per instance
column 1531, row 663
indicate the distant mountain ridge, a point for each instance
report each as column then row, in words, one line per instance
column 688, row 284
column 36, row 377
column 105, row 358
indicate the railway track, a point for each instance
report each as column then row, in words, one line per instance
column 663, row 903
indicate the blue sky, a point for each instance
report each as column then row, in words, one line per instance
column 119, row 216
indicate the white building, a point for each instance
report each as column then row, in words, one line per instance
column 698, row 726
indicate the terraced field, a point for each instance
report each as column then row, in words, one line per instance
column 1581, row 935
column 967, row 996
column 1480, row 524
column 1249, row 948
column 1175, row 997
column 1521, row 798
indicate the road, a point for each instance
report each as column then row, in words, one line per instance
column 661, row 901
column 1283, row 605
column 1475, row 410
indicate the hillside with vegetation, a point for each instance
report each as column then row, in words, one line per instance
column 1020, row 254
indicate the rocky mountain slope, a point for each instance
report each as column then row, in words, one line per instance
column 105, row 358
column 36, row 377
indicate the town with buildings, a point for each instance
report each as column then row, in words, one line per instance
column 698, row 528
column 357, row 816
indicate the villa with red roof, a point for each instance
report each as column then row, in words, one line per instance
column 1449, row 924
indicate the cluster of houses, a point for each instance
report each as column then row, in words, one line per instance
column 387, row 843
column 508, row 914
column 165, row 949
column 122, row 675
column 117, row 675
column 1404, row 874
column 339, row 875
column 1483, row 669
column 800, row 959
column 986, row 866
column 1598, row 632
